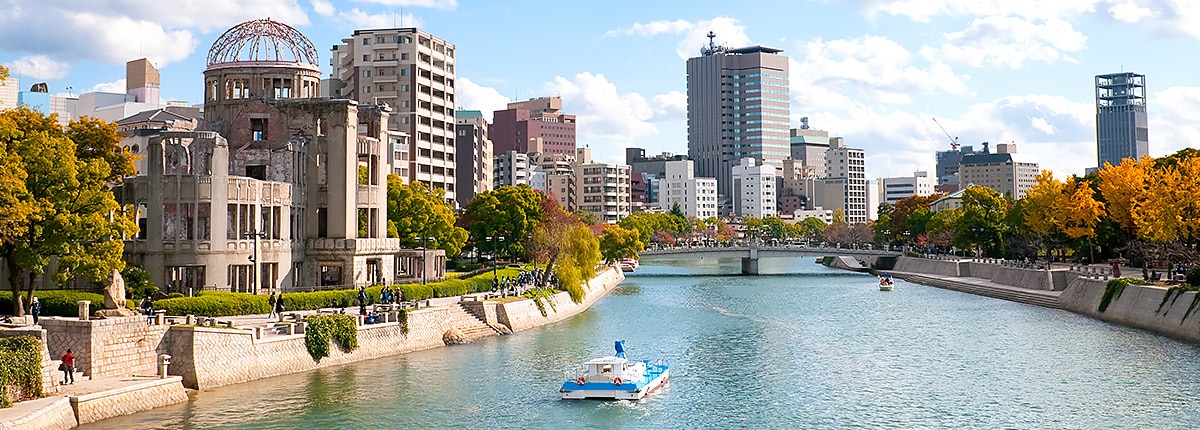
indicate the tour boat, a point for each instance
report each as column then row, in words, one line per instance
column 886, row 283
column 615, row 377
column 628, row 264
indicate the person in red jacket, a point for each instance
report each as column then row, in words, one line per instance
column 68, row 367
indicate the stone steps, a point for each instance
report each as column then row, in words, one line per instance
column 1047, row 300
column 472, row 327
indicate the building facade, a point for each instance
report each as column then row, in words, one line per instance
column 894, row 189
column 847, row 165
column 999, row 171
column 602, row 188
column 413, row 72
column 473, row 154
column 754, row 188
column 1122, row 124
column 510, row 168
column 737, row 108
column 512, row 128
column 696, row 197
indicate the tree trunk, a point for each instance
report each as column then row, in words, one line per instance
column 13, row 281
column 549, row 268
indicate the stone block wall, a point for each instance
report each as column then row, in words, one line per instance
column 523, row 314
column 928, row 267
column 49, row 368
column 1034, row 279
column 1137, row 306
column 108, row 347
column 57, row 415
column 129, row 400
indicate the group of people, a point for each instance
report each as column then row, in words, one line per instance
column 514, row 286
column 276, row 305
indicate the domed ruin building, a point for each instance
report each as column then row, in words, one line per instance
column 275, row 188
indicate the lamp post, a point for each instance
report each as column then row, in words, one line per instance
column 495, row 255
column 424, row 263
column 254, row 257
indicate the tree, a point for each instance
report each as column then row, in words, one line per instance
column 617, row 243
column 588, row 217
column 71, row 213
column 416, row 211
column 812, row 228
column 568, row 246
column 511, row 212
column 982, row 223
column 1124, row 188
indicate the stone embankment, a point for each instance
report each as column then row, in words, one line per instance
column 109, row 351
column 1077, row 289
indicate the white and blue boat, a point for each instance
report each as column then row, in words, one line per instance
column 615, row 377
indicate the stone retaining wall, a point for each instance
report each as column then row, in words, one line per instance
column 524, row 314
column 56, row 415
column 208, row 357
column 154, row 393
column 1137, row 306
column 928, row 267
column 109, row 347
column 50, row 372
column 1034, row 279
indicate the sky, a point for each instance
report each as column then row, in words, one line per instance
column 873, row 71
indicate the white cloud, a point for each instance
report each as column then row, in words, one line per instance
column 360, row 19
column 925, row 10
column 875, row 65
column 1008, row 41
column 472, row 96
column 1176, row 111
column 323, row 8
column 1129, row 11
column 727, row 30
column 1041, row 125
column 609, row 120
column 117, row 86
column 38, row 67
column 432, row 4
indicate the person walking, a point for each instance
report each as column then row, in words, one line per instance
column 68, row 367
column 35, row 309
column 271, row 304
column 148, row 309
column 279, row 305
column 362, row 300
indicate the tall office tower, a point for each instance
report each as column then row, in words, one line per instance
column 737, row 108
column 513, row 127
column 412, row 72
column 1121, row 120
column 474, row 151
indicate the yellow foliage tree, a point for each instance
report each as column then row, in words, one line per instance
column 1080, row 211
column 1170, row 209
column 1125, row 187
column 1042, row 204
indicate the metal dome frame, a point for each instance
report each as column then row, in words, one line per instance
column 262, row 40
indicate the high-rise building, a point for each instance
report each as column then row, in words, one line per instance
column 737, row 108
column 413, row 72
column 8, row 92
column 602, row 188
column 894, row 189
column 754, row 188
column 1122, row 129
column 474, row 155
column 512, row 128
column 999, row 171
column 849, row 166
column 696, row 197
column 948, row 165
column 510, row 168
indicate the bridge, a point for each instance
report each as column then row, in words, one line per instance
column 751, row 253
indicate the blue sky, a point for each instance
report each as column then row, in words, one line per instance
column 873, row 71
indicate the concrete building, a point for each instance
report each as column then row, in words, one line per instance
column 510, row 168
column 894, row 189
column 809, row 146
column 825, row 215
column 413, row 72
column 754, row 187
column 948, row 165
column 8, row 92
column 1122, row 124
column 275, row 189
column 849, row 166
column 737, row 108
column 949, row 201
column 512, row 128
column 602, row 188
column 474, row 155
column 1000, row 172
column 696, row 197
column 646, row 172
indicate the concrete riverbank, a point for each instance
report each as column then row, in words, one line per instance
column 1077, row 289
column 206, row 357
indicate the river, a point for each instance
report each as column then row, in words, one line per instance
column 810, row 347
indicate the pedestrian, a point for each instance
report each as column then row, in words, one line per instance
column 35, row 308
column 1145, row 273
column 68, row 367
column 1116, row 269
column 271, row 304
column 148, row 309
column 362, row 300
column 279, row 305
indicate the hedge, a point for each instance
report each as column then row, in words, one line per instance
column 60, row 303
column 20, row 368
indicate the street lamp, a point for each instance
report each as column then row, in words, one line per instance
column 495, row 256
column 425, row 264
column 254, row 257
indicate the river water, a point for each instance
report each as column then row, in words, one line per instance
column 809, row 347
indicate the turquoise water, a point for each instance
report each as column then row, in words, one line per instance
column 817, row 348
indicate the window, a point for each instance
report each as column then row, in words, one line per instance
column 366, row 57
column 366, row 73
column 366, row 41
column 258, row 128
column 404, row 56
column 404, row 88
column 403, row 72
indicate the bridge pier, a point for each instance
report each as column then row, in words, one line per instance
column 749, row 266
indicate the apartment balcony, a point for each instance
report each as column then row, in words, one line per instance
column 341, row 247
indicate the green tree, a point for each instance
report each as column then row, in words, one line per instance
column 568, row 246
column 511, row 212
column 982, row 223
column 588, row 217
column 72, row 214
column 616, row 243
column 812, row 228
column 416, row 211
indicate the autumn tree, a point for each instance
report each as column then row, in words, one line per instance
column 416, row 211
column 62, row 187
column 1125, row 187
column 568, row 247
column 616, row 243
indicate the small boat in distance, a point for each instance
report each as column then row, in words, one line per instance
column 628, row 264
column 615, row 377
column 886, row 283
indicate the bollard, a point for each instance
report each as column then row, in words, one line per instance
column 160, row 318
column 258, row 332
column 164, row 360
column 85, row 309
column 358, row 320
column 301, row 327
column 189, row 320
column 291, row 329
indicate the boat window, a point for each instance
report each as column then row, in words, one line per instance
column 607, row 369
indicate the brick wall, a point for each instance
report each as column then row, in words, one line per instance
column 108, row 347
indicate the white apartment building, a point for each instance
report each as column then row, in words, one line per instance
column 510, row 168
column 848, row 164
column 412, row 72
column 894, row 189
column 753, row 189
column 602, row 188
column 696, row 197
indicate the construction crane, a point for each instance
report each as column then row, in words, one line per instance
column 953, row 140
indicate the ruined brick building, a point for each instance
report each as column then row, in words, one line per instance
column 274, row 188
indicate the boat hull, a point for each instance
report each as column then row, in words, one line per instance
column 610, row 391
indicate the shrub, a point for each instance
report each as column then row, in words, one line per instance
column 1113, row 290
column 138, row 283
column 1193, row 277
column 322, row 328
column 175, row 295
column 215, row 304
column 20, row 368
column 58, row 303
